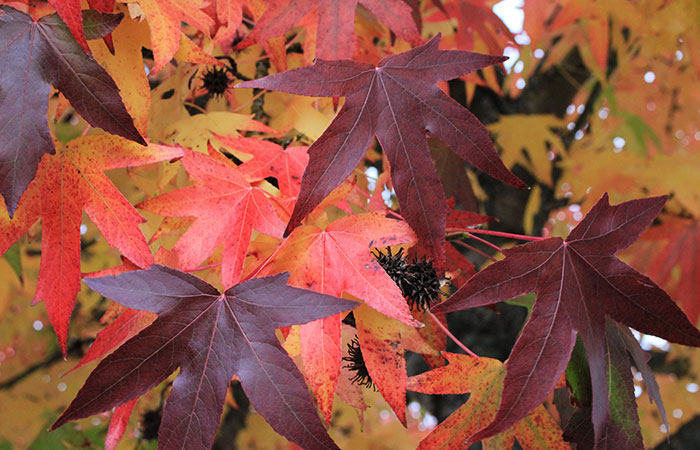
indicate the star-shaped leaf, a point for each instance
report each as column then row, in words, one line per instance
column 334, row 260
column 335, row 38
column 579, row 282
column 481, row 377
column 398, row 101
column 35, row 56
column 211, row 337
column 227, row 209
column 66, row 184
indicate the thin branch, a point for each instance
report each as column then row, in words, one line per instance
column 507, row 235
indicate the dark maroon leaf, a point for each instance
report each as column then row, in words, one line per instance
column 211, row 337
column 579, row 282
column 33, row 56
column 398, row 101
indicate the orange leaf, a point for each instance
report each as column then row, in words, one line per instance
column 383, row 353
column 66, row 184
column 482, row 378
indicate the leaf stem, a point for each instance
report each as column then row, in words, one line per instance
column 485, row 242
column 502, row 234
column 474, row 249
column 452, row 336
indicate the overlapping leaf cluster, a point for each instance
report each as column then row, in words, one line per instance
column 266, row 197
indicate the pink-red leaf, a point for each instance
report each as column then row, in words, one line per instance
column 227, row 209
column 271, row 160
column 332, row 261
column 210, row 336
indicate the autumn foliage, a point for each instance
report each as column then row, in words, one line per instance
column 254, row 223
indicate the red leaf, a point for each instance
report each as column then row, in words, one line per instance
column 383, row 353
column 37, row 55
column 397, row 101
column 227, row 209
column 332, row 261
column 579, row 282
column 117, row 424
column 210, row 337
column 336, row 18
column 661, row 250
column 271, row 160
column 66, row 184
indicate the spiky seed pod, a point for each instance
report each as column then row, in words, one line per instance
column 418, row 281
column 393, row 265
column 357, row 365
column 216, row 80
column 421, row 285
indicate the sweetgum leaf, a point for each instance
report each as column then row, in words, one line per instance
column 579, row 282
column 66, row 184
column 335, row 38
column 481, row 378
column 34, row 56
column 211, row 337
column 227, row 209
column 398, row 101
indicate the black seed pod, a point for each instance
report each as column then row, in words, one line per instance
column 216, row 80
column 357, row 365
column 393, row 265
column 418, row 281
column 421, row 285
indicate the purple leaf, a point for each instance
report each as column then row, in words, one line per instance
column 579, row 283
column 210, row 337
column 397, row 101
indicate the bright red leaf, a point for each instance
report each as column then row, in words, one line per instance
column 579, row 282
column 227, row 209
column 38, row 54
column 398, row 101
column 211, row 337
column 271, row 160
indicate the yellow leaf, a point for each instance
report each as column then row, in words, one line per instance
column 523, row 140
